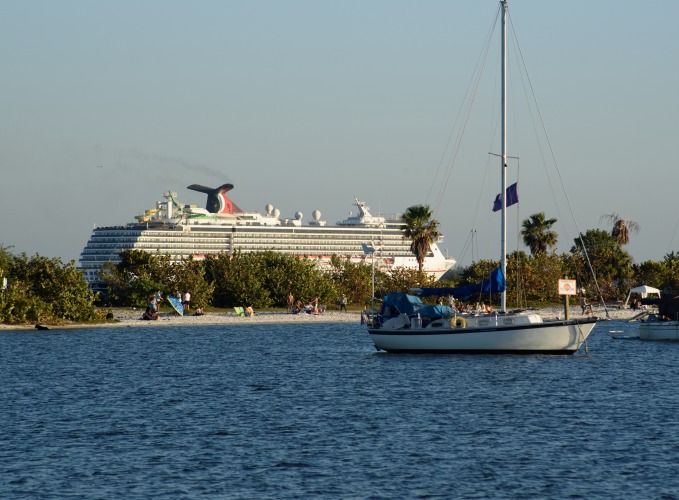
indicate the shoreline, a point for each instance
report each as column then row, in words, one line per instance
column 129, row 318
column 132, row 317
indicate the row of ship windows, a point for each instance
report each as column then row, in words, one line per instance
column 321, row 249
column 270, row 240
column 220, row 231
column 266, row 238
column 92, row 254
column 173, row 243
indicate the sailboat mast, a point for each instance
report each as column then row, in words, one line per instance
column 503, row 236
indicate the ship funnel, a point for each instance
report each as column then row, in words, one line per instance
column 217, row 201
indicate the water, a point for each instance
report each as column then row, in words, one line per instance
column 290, row 411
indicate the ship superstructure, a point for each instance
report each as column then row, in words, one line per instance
column 187, row 231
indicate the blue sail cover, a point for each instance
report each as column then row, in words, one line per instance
column 411, row 305
column 496, row 284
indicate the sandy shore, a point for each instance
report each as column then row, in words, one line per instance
column 131, row 317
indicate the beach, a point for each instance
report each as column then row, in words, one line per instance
column 132, row 317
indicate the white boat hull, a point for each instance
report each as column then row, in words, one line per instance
column 557, row 337
column 659, row 330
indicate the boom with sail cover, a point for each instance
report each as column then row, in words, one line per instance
column 496, row 284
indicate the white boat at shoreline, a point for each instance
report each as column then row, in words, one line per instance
column 189, row 232
column 663, row 323
column 406, row 325
column 655, row 328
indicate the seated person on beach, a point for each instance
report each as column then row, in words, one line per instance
column 586, row 307
column 199, row 311
column 249, row 311
column 150, row 315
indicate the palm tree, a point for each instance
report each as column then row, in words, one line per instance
column 622, row 228
column 537, row 233
column 421, row 229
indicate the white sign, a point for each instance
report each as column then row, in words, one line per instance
column 567, row 287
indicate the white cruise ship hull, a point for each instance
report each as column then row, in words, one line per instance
column 187, row 232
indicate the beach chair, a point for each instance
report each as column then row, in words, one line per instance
column 239, row 311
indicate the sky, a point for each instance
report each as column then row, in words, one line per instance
column 307, row 104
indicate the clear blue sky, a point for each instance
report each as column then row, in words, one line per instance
column 306, row 104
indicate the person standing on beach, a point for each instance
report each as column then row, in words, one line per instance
column 159, row 299
column 291, row 301
column 343, row 303
column 187, row 301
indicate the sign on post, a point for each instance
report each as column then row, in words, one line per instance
column 567, row 287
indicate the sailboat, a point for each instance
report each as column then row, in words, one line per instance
column 406, row 325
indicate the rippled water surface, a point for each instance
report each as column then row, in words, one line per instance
column 289, row 411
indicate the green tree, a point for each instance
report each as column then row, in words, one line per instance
column 421, row 229
column 354, row 280
column 402, row 280
column 537, row 233
column 651, row 273
column 41, row 289
column 613, row 266
column 237, row 280
column 285, row 274
column 131, row 281
column 189, row 276
column 540, row 275
column 264, row 279
column 663, row 275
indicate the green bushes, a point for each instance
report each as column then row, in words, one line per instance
column 43, row 290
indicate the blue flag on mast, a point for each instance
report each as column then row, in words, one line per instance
column 512, row 197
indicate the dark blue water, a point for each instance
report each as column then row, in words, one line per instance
column 290, row 411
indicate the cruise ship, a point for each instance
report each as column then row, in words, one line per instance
column 187, row 231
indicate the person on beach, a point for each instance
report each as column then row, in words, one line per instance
column 291, row 301
column 249, row 311
column 150, row 314
column 153, row 304
column 199, row 311
column 343, row 303
column 187, row 301
column 159, row 300
column 585, row 306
